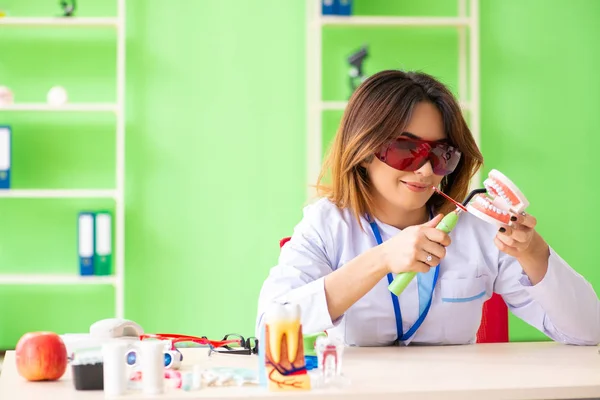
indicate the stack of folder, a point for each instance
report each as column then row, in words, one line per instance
column 95, row 243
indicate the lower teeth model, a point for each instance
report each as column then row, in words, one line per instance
column 502, row 200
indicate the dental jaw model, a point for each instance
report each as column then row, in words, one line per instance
column 282, row 365
column 503, row 198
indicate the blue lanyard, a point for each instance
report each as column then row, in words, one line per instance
column 419, row 321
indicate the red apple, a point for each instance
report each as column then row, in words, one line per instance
column 41, row 356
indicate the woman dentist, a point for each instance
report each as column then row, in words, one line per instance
column 377, row 215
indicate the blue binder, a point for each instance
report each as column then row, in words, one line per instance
column 328, row 7
column 5, row 151
column 85, row 233
column 344, row 7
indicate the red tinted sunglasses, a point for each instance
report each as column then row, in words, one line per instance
column 407, row 154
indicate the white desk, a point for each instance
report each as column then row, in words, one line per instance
column 483, row 371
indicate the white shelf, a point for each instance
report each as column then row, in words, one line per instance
column 54, row 279
column 73, row 107
column 333, row 105
column 59, row 22
column 466, row 24
column 58, row 193
column 117, row 194
column 341, row 105
column 394, row 21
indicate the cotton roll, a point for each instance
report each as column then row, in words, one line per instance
column 114, row 368
column 152, row 358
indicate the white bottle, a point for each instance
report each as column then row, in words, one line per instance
column 197, row 377
column 152, row 360
column 114, row 368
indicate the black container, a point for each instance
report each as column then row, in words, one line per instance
column 88, row 376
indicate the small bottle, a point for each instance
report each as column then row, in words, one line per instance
column 152, row 360
column 114, row 368
column 187, row 381
column 197, row 379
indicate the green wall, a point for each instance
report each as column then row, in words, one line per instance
column 540, row 118
column 216, row 143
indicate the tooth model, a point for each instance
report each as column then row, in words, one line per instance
column 503, row 197
column 282, row 365
column 329, row 353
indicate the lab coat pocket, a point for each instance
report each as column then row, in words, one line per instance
column 462, row 301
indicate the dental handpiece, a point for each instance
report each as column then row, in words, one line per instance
column 447, row 224
column 402, row 280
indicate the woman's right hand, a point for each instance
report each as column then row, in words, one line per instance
column 408, row 250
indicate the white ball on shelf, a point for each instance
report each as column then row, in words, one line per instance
column 57, row 96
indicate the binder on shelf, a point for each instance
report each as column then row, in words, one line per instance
column 336, row 7
column 5, row 150
column 85, row 231
column 344, row 7
column 328, row 7
column 103, row 243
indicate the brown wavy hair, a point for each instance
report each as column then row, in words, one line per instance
column 377, row 113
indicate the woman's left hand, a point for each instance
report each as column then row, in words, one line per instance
column 520, row 239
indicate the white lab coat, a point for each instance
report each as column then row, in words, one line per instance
column 563, row 305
